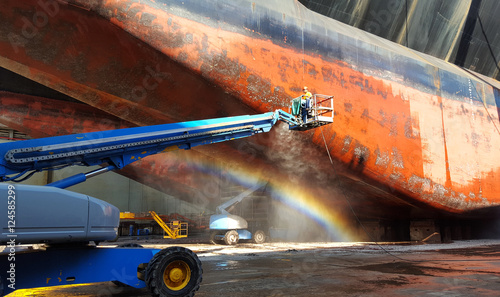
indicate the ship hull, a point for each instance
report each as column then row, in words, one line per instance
column 409, row 129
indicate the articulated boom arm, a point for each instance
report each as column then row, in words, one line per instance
column 222, row 209
column 118, row 148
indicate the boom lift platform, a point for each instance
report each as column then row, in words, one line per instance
column 312, row 112
column 66, row 221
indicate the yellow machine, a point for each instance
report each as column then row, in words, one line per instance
column 127, row 215
column 176, row 229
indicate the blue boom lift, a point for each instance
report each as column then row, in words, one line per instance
column 65, row 222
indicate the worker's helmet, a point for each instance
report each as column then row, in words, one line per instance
column 304, row 89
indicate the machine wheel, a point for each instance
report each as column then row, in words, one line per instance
column 231, row 237
column 174, row 271
column 259, row 237
column 212, row 237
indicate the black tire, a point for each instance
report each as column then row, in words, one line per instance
column 259, row 237
column 231, row 237
column 174, row 271
column 212, row 237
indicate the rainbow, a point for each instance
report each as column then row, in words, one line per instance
column 298, row 197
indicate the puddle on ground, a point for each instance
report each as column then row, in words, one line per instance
column 396, row 268
column 226, row 265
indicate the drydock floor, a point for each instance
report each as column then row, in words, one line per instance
column 463, row 268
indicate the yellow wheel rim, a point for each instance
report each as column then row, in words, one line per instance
column 177, row 275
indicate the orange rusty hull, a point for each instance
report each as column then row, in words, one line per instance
column 409, row 129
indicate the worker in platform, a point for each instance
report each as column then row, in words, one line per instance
column 305, row 104
column 307, row 94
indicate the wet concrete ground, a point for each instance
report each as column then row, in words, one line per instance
column 466, row 268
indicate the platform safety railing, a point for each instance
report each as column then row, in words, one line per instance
column 312, row 112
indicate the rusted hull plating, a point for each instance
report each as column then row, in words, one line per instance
column 417, row 127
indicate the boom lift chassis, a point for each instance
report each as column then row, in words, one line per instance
column 39, row 214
